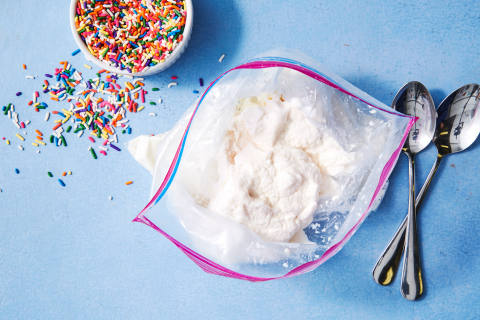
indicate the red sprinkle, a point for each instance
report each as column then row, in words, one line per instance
column 173, row 78
column 57, row 126
column 30, row 103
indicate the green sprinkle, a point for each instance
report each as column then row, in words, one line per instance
column 169, row 29
column 123, row 131
column 69, row 128
column 93, row 153
column 155, row 89
column 51, row 139
column 63, row 140
column 50, row 174
column 153, row 103
column 8, row 108
column 110, row 116
column 178, row 13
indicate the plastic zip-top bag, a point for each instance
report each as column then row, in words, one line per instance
column 361, row 139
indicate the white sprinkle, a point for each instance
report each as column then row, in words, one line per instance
column 159, row 100
column 138, row 79
column 152, row 114
column 221, row 58
column 16, row 123
column 1, row 191
column 172, row 84
column 24, row 132
column 20, row 147
column 30, row 77
column 108, row 197
column 47, row 116
column 12, row 107
column 103, row 148
column 129, row 77
column 80, row 134
column 9, row 114
column 27, row 122
column 287, row 251
column 89, row 148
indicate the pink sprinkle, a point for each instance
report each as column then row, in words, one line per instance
column 118, row 87
column 143, row 95
column 91, row 139
column 36, row 94
column 22, row 124
column 123, row 125
column 103, row 152
column 105, row 142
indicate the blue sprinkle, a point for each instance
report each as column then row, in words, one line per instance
column 61, row 114
column 195, row 91
column 75, row 52
column 4, row 108
column 17, row 171
column 129, row 130
column 44, row 104
column 61, row 183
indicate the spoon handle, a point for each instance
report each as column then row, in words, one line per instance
column 387, row 265
column 411, row 286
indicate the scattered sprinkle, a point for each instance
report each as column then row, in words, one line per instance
column 20, row 147
column 172, row 84
column 155, row 89
column 87, row 66
column 159, row 100
column 108, row 197
column 201, row 82
column 24, row 67
column 174, row 78
column 17, row 171
column 18, row 93
column 50, row 174
column 195, row 91
column 152, row 114
column 20, row 137
column 221, row 58
column 128, row 182
column 75, row 52
column 61, row 183
column 29, row 77
column 64, row 174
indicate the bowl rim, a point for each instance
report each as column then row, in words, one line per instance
column 152, row 70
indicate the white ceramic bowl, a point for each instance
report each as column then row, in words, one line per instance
column 152, row 70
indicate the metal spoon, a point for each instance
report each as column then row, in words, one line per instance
column 457, row 128
column 412, row 99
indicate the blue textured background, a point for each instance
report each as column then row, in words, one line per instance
column 70, row 253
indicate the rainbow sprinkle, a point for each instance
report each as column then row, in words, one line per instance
column 131, row 35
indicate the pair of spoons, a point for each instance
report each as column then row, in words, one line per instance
column 453, row 128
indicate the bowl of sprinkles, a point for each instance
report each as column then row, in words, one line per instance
column 132, row 37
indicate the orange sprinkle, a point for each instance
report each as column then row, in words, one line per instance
column 140, row 83
column 39, row 138
column 128, row 182
column 65, row 65
column 39, row 133
column 24, row 67
column 46, row 82
column 54, row 99
column 64, row 174
column 136, row 95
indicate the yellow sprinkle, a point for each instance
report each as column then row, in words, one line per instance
column 36, row 104
column 8, row 141
column 104, row 136
column 65, row 120
column 34, row 144
column 93, row 134
column 69, row 172
column 141, row 108
column 53, row 95
column 67, row 112
column 444, row 146
column 41, row 142
column 57, row 121
column 442, row 133
column 87, row 66
column 19, row 137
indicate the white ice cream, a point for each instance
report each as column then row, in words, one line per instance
column 270, row 168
